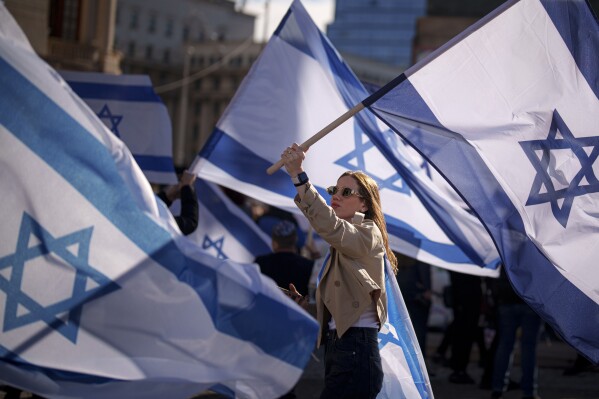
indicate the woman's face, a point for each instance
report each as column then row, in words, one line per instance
column 346, row 207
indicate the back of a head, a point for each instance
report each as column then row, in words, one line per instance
column 284, row 235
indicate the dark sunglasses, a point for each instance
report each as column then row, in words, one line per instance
column 345, row 191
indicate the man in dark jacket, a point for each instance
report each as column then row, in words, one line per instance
column 285, row 265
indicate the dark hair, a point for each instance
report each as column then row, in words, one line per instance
column 369, row 191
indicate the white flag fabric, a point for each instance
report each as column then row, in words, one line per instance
column 508, row 112
column 224, row 230
column 299, row 85
column 99, row 295
column 129, row 107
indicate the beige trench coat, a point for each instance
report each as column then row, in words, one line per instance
column 354, row 275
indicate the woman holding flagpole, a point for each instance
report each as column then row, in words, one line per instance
column 351, row 301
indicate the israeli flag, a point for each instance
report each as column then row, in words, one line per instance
column 402, row 359
column 224, row 230
column 129, row 107
column 299, row 85
column 509, row 113
column 99, row 295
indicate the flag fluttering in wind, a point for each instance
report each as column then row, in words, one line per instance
column 297, row 86
column 224, row 230
column 100, row 296
column 129, row 107
column 508, row 112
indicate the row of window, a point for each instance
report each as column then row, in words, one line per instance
column 196, row 61
column 152, row 22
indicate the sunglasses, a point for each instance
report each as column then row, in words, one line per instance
column 345, row 191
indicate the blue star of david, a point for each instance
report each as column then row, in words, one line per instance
column 545, row 168
column 360, row 163
column 57, row 248
column 113, row 120
column 216, row 244
column 388, row 338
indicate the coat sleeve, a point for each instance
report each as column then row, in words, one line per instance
column 353, row 240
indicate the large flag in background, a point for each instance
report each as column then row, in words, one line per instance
column 224, row 230
column 132, row 111
column 99, row 295
column 299, row 85
column 509, row 113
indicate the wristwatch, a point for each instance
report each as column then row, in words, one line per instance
column 300, row 179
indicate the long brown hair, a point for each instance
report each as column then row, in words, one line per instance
column 369, row 191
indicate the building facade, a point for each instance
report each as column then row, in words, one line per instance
column 196, row 52
column 70, row 34
column 381, row 30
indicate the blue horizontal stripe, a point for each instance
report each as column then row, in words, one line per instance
column 447, row 252
column 14, row 359
column 245, row 165
column 105, row 91
column 87, row 165
column 155, row 163
column 569, row 17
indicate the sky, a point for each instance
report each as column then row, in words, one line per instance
column 321, row 11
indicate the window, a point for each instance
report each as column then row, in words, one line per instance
column 185, row 33
column 63, row 19
column 152, row 24
column 162, row 77
column 216, row 83
column 169, row 28
column 131, row 49
column 149, row 51
column 134, row 19
column 235, row 61
column 166, row 56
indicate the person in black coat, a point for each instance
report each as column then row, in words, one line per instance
column 188, row 218
column 285, row 266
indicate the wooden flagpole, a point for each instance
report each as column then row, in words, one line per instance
column 328, row 129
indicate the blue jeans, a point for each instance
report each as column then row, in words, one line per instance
column 509, row 318
column 353, row 366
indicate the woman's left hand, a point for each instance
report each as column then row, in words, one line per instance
column 297, row 297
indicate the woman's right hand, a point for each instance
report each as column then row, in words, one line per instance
column 293, row 158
